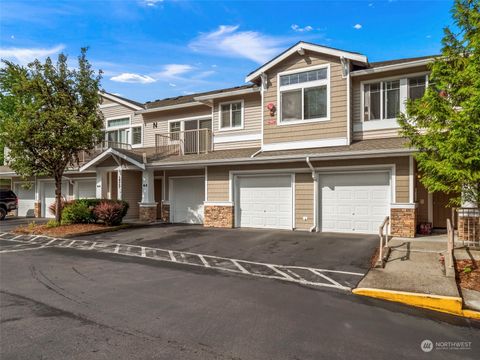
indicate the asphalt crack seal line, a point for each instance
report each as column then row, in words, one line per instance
column 316, row 277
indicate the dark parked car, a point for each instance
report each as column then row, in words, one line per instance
column 8, row 202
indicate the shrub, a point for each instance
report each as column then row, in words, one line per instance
column 52, row 223
column 63, row 204
column 77, row 212
column 111, row 212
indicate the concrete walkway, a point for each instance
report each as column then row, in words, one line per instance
column 414, row 274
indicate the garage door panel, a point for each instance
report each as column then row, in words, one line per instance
column 264, row 201
column 26, row 199
column 188, row 195
column 87, row 189
column 354, row 202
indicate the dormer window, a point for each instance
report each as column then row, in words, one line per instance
column 304, row 95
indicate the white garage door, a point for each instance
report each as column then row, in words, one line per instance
column 355, row 202
column 49, row 197
column 87, row 189
column 187, row 197
column 264, row 202
column 26, row 199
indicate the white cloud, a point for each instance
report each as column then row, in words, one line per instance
column 228, row 41
column 151, row 3
column 173, row 70
column 26, row 55
column 172, row 84
column 428, row 36
column 370, row 5
column 133, row 78
column 297, row 28
column 357, row 26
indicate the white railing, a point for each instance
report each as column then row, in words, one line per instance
column 383, row 233
column 197, row 141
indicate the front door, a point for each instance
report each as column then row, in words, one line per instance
column 441, row 210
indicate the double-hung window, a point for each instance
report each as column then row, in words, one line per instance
column 231, row 115
column 304, row 95
column 384, row 100
column 174, row 128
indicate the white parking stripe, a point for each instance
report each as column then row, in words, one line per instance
column 257, row 269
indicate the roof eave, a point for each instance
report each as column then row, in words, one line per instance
column 399, row 66
column 170, row 107
column 120, row 101
column 306, row 46
column 227, row 94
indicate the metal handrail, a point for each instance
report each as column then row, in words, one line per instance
column 383, row 235
column 195, row 141
column 449, row 262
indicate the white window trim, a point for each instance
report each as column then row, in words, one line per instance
column 303, row 86
column 403, row 98
column 230, row 128
column 116, row 118
column 141, row 136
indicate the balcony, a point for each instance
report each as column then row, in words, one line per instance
column 187, row 142
column 98, row 148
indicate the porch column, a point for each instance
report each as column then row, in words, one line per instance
column 148, row 206
column 101, row 186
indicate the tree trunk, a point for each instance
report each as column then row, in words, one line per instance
column 58, row 198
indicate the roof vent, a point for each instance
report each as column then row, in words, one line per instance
column 301, row 51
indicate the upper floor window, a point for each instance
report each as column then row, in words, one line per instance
column 416, row 87
column 384, row 100
column 175, row 127
column 118, row 122
column 304, row 95
column 137, row 135
column 231, row 115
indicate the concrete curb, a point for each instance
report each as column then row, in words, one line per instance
column 446, row 304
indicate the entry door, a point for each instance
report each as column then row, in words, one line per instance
column 264, row 202
column 187, row 197
column 441, row 211
column 354, row 202
column 158, row 196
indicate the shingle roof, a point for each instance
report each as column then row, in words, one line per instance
column 399, row 61
column 125, row 99
column 360, row 146
column 190, row 98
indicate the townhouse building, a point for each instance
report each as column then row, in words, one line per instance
column 310, row 143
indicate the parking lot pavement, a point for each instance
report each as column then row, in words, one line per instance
column 64, row 303
column 344, row 252
column 12, row 222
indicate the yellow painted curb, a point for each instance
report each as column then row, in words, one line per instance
column 446, row 304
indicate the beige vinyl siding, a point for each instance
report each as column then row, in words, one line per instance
column 132, row 191
column 375, row 134
column 121, row 110
column 252, row 122
column 336, row 127
column 162, row 118
column 357, row 95
column 218, row 176
column 106, row 101
column 303, row 201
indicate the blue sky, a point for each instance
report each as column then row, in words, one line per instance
column 152, row 49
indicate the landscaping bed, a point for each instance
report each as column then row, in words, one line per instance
column 65, row 231
column 468, row 274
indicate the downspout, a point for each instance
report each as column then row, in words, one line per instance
column 315, row 186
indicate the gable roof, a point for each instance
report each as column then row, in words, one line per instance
column 121, row 100
column 354, row 56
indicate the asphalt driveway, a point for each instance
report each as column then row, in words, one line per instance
column 345, row 252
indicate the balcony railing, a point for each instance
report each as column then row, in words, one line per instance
column 198, row 141
column 98, row 148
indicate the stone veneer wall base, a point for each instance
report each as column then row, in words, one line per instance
column 403, row 222
column 218, row 216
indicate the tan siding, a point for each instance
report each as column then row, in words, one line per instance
column 303, row 201
column 132, row 191
column 375, row 134
column 162, row 118
column 334, row 128
column 218, row 177
column 238, row 145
